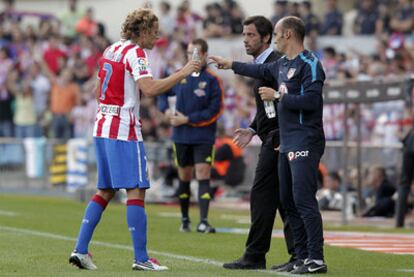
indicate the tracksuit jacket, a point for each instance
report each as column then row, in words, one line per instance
column 201, row 99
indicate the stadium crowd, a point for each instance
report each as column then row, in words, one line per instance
column 48, row 70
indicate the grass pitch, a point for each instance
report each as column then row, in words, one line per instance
column 37, row 235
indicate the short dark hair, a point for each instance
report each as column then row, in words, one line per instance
column 202, row 43
column 263, row 26
column 296, row 24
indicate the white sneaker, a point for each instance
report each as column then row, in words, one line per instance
column 83, row 261
column 152, row 264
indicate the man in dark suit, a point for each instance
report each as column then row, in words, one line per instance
column 265, row 198
column 407, row 177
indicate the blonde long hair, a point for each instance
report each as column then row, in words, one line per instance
column 137, row 21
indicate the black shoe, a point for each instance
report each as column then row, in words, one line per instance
column 243, row 264
column 310, row 267
column 287, row 267
column 185, row 226
column 204, row 227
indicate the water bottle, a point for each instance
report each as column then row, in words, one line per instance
column 270, row 109
column 172, row 100
column 195, row 57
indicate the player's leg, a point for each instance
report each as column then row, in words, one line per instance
column 304, row 165
column 91, row 218
column 184, row 162
column 264, row 199
column 132, row 174
column 137, row 225
column 292, row 214
column 203, row 158
column 93, row 212
column 263, row 202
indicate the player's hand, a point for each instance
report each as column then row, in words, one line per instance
column 221, row 62
column 242, row 137
column 178, row 119
column 190, row 67
column 168, row 113
column 268, row 94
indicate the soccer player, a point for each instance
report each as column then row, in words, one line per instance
column 264, row 198
column 120, row 154
column 199, row 104
column 300, row 78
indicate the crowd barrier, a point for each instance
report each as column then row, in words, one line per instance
column 29, row 167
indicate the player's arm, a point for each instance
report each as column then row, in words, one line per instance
column 211, row 114
column 268, row 71
column 310, row 96
column 151, row 87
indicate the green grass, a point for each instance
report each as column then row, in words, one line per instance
column 28, row 254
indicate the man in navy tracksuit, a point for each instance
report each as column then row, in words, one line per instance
column 300, row 77
column 199, row 104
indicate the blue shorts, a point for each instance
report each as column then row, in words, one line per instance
column 121, row 164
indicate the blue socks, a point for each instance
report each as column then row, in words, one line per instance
column 90, row 219
column 137, row 225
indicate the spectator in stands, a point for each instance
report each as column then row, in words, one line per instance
column 25, row 115
column 215, row 25
column 293, row 8
column 82, row 116
column 280, row 9
column 332, row 23
column 87, row 25
column 329, row 196
column 310, row 19
column 234, row 16
column 167, row 21
column 367, row 19
column 383, row 23
column 403, row 19
column 186, row 22
column 6, row 114
column 40, row 87
column 65, row 95
column 81, row 74
column 330, row 62
column 53, row 53
column 69, row 19
column 383, row 191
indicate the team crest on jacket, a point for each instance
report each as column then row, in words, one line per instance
column 200, row 92
column 291, row 72
column 202, row 85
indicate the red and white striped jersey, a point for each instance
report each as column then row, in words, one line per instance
column 122, row 64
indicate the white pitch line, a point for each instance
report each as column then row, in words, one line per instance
column 369, row 241
column 402, row 245
column 125, row 247
column 385, row 249
column 8, row 213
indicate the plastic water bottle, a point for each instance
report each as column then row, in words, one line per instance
column 270, row 109
column 195, row 57
column 172, row 100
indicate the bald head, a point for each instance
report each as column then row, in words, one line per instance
column 295, row 25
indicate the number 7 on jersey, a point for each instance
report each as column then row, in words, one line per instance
column 107, row 68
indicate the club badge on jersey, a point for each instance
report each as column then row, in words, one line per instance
column 291, row 72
